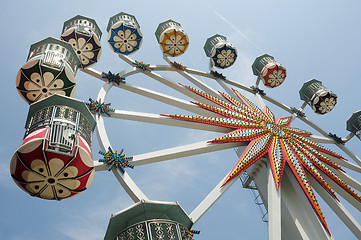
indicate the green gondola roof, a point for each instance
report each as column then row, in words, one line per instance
column 54, row 41
column 81, row 17
column 354, row 122
column 257, row 66
column 207, row 46
column 143, row 211
column 59, row 100
column 110, row 23
column 304, row 89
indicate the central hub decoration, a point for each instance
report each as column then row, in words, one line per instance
column 272, row 137
column 275, row 130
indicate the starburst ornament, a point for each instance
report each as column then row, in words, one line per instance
column 99, row 107
column 115, row 159
column 272, row 137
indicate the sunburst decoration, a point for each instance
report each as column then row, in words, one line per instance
column 115, row 159
column 268, row 135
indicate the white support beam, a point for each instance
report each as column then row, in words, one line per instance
column 174, row 153
column 320, row 139
column 274, row 208
column 181, row 151
column 337, row 208
column 226, row 88
column 345, row 163
column 348, row 179
column 211, row 198
column 163, row 120
column 300, row 211
column 343, row 193
column 200, row 84
column 350, row 154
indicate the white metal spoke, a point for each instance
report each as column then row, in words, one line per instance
column 163, row 120
column 195, row 81
column 167, row 82
column 211, row 198
column 226, row 88
column 181, row 151
column 345, row 163
column 173, row 101
column 338, row 208
column 175, row 153
column 200, row 84
column 350, row 154
column 348, row 179
column 343, row 193
column 320, row 139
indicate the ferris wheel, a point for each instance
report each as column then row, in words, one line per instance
column 286, row 165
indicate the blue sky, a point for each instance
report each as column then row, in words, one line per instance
column 311, row 39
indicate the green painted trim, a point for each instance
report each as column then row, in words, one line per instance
column 81, row 17
column 143, row 211
column 110, row 24
column 160, row 25
column 59, row 100
column 208, row 46
column 257, row 66
column 305, row 88
column 50, row 40
column 353, row 122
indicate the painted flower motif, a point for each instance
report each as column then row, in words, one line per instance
column 42, row 86
column 276, row 78
column 51, row 181
column 225, row 58
column 273, row 75
column 175, row 43
column 327, row 105
column 125, row 40
column 83, row 50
